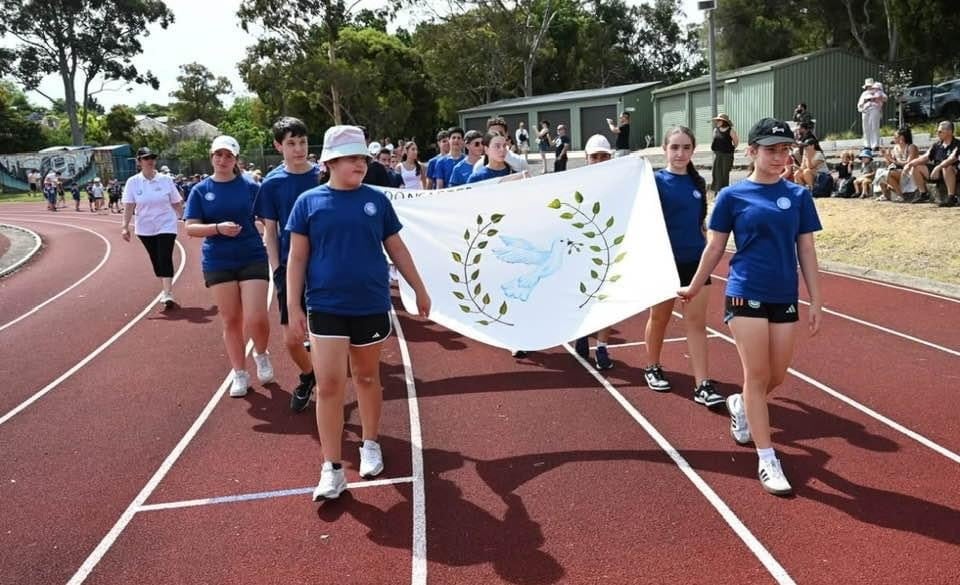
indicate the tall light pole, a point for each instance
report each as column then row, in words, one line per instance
column 709, row 6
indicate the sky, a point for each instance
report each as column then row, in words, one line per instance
column 206, row 32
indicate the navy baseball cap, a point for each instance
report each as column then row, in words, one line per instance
column 771, row 131
column 144, row 152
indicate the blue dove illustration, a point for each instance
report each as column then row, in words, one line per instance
column 542, row 264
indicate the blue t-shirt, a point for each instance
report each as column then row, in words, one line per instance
column 347, row 270
column 485, row 173
column 432, row 166
column 461, row 172
column 766, row 221
column 683, row 206
column 214, row 202
column 278, row 192
column 444, row 168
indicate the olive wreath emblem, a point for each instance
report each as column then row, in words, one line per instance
column 473, row 299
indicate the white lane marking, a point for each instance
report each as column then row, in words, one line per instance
column 739, row 528
column 894, row 286
column 418, row 562
column 887, row 330
column 265, row 495
column 861, row 407
column 151, row 306
column 106, row 255
column 635, row 343
column 37, row 242
column 111, row 537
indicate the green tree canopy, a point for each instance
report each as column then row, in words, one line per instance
column 120, row 123
column 199, row 94
column 17, row 132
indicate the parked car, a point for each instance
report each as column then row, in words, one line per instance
column 946, row 100
column 917, row 102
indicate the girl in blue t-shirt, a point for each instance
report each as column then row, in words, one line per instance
column 234, row 259
column 772, row 221
column 338, row 232
column 683, row 200
column 494, row 159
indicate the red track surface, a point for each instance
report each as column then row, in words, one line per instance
column 532, row 471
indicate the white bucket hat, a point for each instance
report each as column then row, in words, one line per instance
column 340, row 141
column 868, row 82
column 225, row 143
column 597, row 143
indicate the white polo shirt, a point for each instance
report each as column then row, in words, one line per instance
column 154, row 199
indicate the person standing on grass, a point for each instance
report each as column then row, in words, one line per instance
column 683, row 198
column 724, row 145
column 278, row 192
column 773, row 222
column 622, row 131
column 152, row 200
column 220, row 209
column 870, row 106
column 443, row 143
column 338, row 233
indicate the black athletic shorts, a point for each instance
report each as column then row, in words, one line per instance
column 255, row 271
column 687, row 270
column 772, row 312
column 280, row 283
column 359, row 329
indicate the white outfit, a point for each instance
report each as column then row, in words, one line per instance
column 154, row 200
column 870, row 106
column 411, row 180
column 516, row 163
column 522, row 139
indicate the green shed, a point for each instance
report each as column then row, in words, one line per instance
column 828, row 81
column 583, row 112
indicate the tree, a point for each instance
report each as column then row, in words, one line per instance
column 81, row 41
column 199, row 94
column 17, row 132
column 247, row 122
column 667, row 49
column 158, row 142
column 120, row 123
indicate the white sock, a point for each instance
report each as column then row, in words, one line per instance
column 767, row 454
column 367, row 443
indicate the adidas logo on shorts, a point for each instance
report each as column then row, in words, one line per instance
column 791, row 310
column 376, row 335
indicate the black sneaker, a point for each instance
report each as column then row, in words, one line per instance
column 950, row 201
column 603, row 358
column 301, row 394
column 706, row 395
column 908, row 197
column 582, row 347
column 655, row 380
column 922, row 198
column 519, row 354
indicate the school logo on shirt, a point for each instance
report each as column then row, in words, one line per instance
column 754, row 304
column 697, row 194
column 784, row 203
column 209, row 196
column 370, row 208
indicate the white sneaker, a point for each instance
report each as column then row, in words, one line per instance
column 264, row 367
column 166, row 299
column 772, row 478
column 371, row 459
column 240, row 384
column 739, row 429
column 332, row 483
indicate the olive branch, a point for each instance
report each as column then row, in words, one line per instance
column 591, row 229
column 469, row 260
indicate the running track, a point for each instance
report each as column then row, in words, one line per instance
column 121, row 460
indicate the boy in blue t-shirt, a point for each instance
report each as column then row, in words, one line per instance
column 278, row 192
column 338, row 235
column 443, row 143
column 444, row 167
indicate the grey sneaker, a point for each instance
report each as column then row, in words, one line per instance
column 739, row 429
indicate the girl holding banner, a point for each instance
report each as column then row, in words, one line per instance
column 773, row 221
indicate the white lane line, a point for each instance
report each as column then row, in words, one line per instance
column 887, row 330
column 106, row 255
column 151, row 306
column 861, row 407
column 37, row 242
column 111, row 537
column 265, row 495
column 418, row 562
column 777, row 570
column 893, row 286
column 635, row 343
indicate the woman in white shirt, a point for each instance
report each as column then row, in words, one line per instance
column 410, row 169
column 157, row 203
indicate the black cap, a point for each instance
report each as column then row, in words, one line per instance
column 144, row 152
column 771, row 131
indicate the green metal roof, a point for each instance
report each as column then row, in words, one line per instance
column 751, row 69
column 566, row 96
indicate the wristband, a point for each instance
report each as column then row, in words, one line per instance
column 216, row 226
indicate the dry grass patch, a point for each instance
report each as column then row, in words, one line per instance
column 919, row 240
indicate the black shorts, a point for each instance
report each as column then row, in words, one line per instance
column 687, row 270
column 361, row 330
column 255, row 271
column 280, row 283
column 772, row 312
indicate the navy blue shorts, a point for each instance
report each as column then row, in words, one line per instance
column 359, row 329
column 772, row 312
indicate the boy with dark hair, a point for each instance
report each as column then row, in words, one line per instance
column 277, row 195
column 464, row 168
column 444, row 167
column 443, row 144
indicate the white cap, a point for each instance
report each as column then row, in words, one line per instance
column 374, row 148
column 96, row 179
column 164, row 169
column 341, row 141
column 597, row 143
column 225, row 143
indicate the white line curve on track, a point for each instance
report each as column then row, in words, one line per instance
column 37, row 243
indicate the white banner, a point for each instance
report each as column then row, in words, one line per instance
column 530, row 264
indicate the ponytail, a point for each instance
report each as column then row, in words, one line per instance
column 701, row 184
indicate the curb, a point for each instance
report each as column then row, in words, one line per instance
column 36, row 247
column 923, row 284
